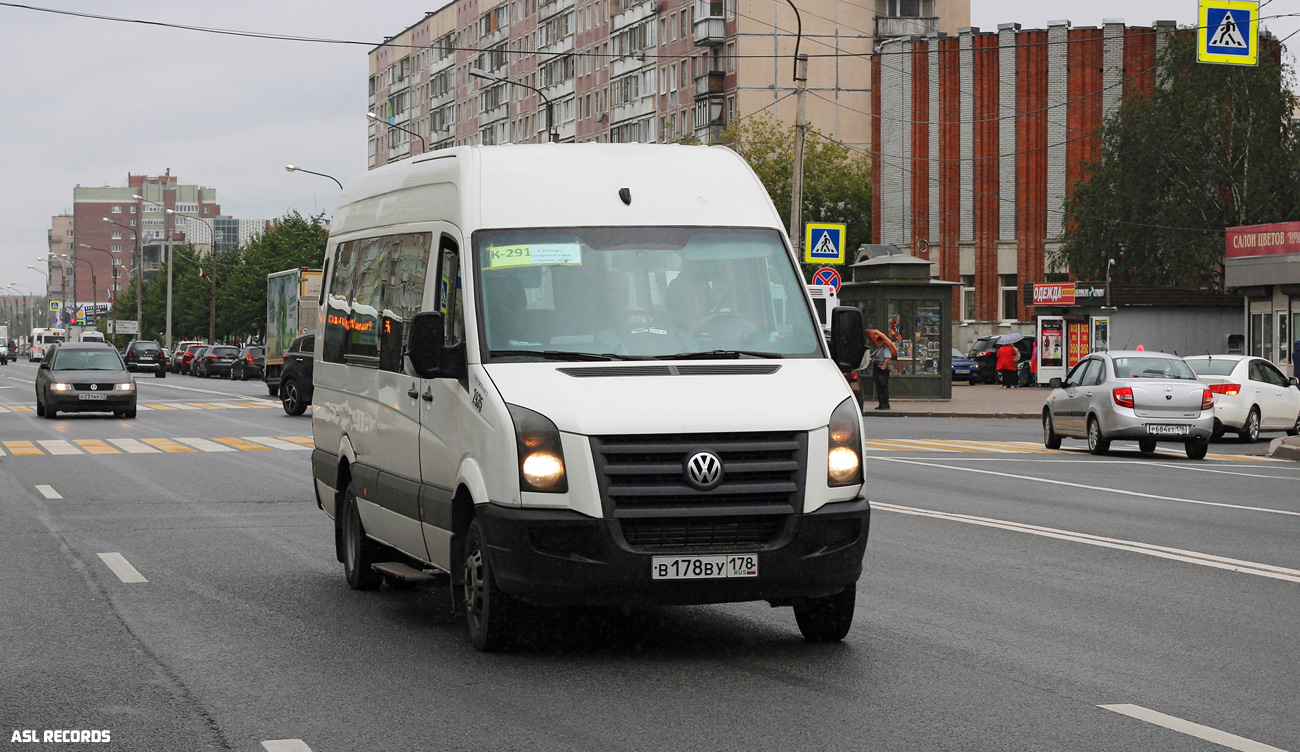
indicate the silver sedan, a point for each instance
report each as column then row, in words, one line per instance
column 1142, row 396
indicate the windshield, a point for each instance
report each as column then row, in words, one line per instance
column 1152, row 368
column 641, row 292
column 1212, row 366
column 87, row 360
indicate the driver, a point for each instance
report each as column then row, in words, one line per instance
column 689, row 299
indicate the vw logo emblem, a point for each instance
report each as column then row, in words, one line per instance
column 704, row 470
column 94, row 387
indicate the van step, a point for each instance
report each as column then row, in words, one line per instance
column 403, row 573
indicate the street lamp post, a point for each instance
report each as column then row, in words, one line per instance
column 46, row 275
column 423, row 144
column 293, row 168
column 112, row 307
column 168, row 336
column 552, row 134
column 18, row 304
column 139, row 278
column 212, row 307
column 29, row 300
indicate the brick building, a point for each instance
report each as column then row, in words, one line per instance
column 629, row 70
column 980, row 134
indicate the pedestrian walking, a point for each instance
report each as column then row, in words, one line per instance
column 882, row 359
column 1007, row 356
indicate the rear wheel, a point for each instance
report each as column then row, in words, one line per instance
column 1097, row 444
column 1147, row 446
column 1294, row 430
column 1051, row 439
column 162, row 373
column 1196, row 449
column 358, row 550
column 1218, row 430
column 826, row 619
column 292, row 398
column 487, row 609
column 1249, row 432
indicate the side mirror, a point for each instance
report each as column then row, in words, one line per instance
column 1295, row 382
column 426, row 344
column 847, row 342
column 1055, row 383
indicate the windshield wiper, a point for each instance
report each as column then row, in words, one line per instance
column 721, row 355
column 564, row 355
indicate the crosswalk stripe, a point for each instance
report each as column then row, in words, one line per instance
column 96, row 446
column 261, row 405
column 275, row 443
column 22, row 409
column 167, row 445
column 156, row 406
column 242, row 444
column 184, row 406
column 203, row 445
column 58, row 446
column 131, row 446
column 304, row 440
column 4, row 409
column 22, row 448
column 207, row 405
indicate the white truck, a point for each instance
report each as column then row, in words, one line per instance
column 4, row 345
column 291, row 308
column 42, row 338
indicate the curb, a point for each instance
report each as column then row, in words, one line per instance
column 1284, row 449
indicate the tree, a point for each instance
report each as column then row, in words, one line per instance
column 1210, row 147
column 836, row 183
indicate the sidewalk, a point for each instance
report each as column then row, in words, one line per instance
column 978, row 401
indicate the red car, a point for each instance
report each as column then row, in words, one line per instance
column 188, row 358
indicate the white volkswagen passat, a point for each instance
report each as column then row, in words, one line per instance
column 1250, row 395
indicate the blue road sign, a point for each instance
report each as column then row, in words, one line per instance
column 1227, row 32
column 827, row 276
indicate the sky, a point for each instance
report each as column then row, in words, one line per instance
column 86, row 101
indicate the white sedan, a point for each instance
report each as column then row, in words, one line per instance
column 1250, row 395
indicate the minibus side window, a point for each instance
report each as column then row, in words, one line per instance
column 450, row 294
column 408, row 260
column 367, row 297
column 338, row 304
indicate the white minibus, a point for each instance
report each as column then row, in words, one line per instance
column 584, row 373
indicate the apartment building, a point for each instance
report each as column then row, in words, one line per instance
column 488, row 72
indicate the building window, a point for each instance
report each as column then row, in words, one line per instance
column 1007, row 288
column 731, row 57
column 968, row 297
column 117, row 210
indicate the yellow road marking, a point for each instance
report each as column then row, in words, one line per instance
column 304, row 440
column 167, row 445
column 204, row 405
column 22, row 409
column 262, row 405
column 95, row 446
column 241, row 444
column 23, row 449
column 156, row 406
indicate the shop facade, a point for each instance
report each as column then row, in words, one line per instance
column 1262, row 264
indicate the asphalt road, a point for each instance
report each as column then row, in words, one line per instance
column 1010, row 593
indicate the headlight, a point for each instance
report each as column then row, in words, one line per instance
column 844, row 455
column 127, row 387
column 61, row 387
column 541, row 458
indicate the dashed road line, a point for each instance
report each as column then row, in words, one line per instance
column 49, row 492
column 286, row 745
column 1209, row 734
column 122, row 568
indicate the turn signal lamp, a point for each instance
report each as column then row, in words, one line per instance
column 1230, row 390
column 1123, row 396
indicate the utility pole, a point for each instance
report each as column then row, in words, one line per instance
column 800, row 125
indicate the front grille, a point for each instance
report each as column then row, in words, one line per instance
column 644, row 475
column 102, row 387
column 703, row 534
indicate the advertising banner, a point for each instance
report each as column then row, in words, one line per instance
column 1050, row 342
column 1054, row 294
column 1264, row 240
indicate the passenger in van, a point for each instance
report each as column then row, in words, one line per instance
column 505, row 306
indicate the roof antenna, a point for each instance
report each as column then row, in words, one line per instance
column 1130, row 339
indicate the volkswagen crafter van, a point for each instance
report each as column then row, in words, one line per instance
column 588, row 373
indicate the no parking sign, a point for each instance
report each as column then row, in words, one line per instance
column 828, row 277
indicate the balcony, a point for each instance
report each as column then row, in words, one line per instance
column 905, row 26
column 710, row 84
column 710, row 26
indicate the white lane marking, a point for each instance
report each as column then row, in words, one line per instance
column 275, row 443
column 183, row 406
column 1137, row 547
column 203, row 445
column 286, row 745
column 48, row 492
column 4, row 409
column 58, row 446
column 1213, row 735
column 191, row 389
column 132, row 446
column 122, row 568
column 1103, row 489
column 1155, row 465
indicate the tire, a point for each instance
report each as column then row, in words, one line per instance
column 973, row 382
column 1051, row 439
column 274, row 389
column 487, row 609
column 40, row 409
column 129, row 414
column 1147, row 446
column 358, row 550
column 51, row 413
column 1196, row 449
column 1294, row 430
column 1097, row 444
column 1217, row 433
column 826, row 619
column 1249, row 432
column 291, row 397
column 162, row 374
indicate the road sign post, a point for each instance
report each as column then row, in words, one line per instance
column 1227, row 32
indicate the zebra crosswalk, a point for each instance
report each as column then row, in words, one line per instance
column 954, row 446
column 147, row 406
column 67, row 447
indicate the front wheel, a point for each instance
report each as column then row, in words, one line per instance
column 1294, row 430
column 1249, row 432
column 487, row 609
column 826, row 619
column 358, row 550
column 292, row 398
column 1196, row 449
column 1097, row 444
column 1051, row 439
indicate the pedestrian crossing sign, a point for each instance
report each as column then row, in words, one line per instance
column 56, row 306
column 824, row 243
column 1227, row 32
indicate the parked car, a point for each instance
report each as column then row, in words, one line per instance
column 985, row 354
column 250, row 363
column 187, row 358
column 146, row 355
column 296, row 378
column 197, row 361
column 1143, row 396
column 4, row 353
column 963, row 368
column 178, row 354
column 1250, row 395
column 84, row 377
column 217, row 360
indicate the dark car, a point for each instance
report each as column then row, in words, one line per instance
column 295, row 378
column 250, row 363
column 216, row 361
column 985, row 354
column 146, row 355
column 196, row 360
column 84, row 377
column 963, row 368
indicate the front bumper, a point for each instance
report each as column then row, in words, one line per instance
column 70, row 402
column 554, row 557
